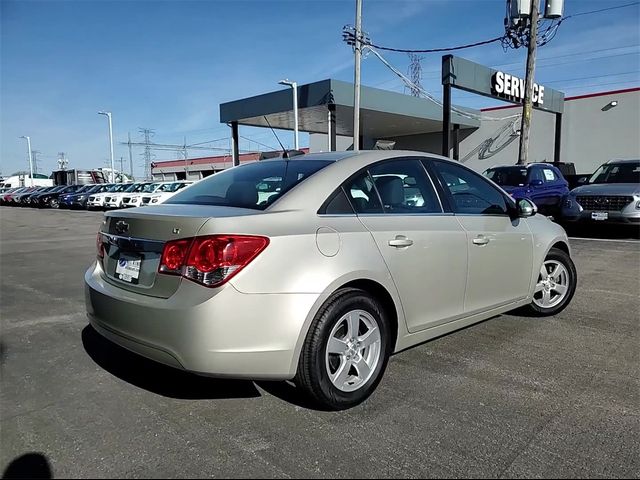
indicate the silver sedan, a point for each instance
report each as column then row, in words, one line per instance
column 318, row 268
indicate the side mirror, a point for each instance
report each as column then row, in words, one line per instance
column 526, row 208
column 536, row 183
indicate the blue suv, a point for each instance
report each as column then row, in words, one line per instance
column 540, row 182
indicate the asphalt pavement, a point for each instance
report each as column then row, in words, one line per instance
column 509, row 397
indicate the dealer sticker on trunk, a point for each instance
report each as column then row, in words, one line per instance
column 128, row 268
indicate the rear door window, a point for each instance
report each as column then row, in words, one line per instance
column 362, row 194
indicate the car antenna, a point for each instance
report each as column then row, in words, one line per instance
column 284, row 152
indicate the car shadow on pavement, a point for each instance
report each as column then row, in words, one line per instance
column 157, row 378
column 29, row 465
column 290, row 393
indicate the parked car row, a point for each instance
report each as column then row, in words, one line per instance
column 611, row 194
column 99, row 196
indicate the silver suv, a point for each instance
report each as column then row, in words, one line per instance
column 611, row 195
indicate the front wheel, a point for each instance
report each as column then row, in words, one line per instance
column 53, row 203
column 556, row 284
column 346, row 350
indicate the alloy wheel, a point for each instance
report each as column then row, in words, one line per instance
column 553, row 284
column 353, row 351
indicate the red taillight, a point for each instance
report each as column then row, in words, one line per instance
column 173, row 256
column 211, row 260
column 100, row 246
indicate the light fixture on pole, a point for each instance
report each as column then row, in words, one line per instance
column 294, row 87
column 113, row 172
column 30, row 158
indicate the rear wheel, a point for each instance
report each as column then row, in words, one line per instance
column 346, row 350
column 556, row 284
column 53, row 203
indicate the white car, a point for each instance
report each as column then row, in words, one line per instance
column 115, row 200
column 134, row 199
column 97, row 200
column 164, row 192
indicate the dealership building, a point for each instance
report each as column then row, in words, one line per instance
column 586, row 130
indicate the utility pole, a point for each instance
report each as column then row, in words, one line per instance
column 130, row 156
column 531, row 66
column 121, row 165
column 356, row 80
column 28, row 139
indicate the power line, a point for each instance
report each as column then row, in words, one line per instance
column 437, row 73
column 259, row 143
column 510, row 38
column 602, row 10
column 575, row 79
column 430, row 97
column 592, row 77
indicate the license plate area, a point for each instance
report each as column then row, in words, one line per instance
column 128, row 268
column 599, row 216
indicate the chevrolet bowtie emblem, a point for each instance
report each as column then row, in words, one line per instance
column 122, row 226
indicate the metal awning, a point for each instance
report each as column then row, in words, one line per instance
column 383, row 113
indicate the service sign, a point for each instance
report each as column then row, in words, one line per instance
column 513, row 88
column 473, row 77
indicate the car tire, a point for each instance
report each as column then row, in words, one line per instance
column 53, row 203
column 544, row 302
column 365, row 354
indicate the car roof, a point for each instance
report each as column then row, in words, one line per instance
column 532, row 164
column 628, row 160
column 326, row 156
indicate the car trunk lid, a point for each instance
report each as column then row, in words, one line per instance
column 134, row 239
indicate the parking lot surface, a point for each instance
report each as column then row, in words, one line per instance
column 509, row 397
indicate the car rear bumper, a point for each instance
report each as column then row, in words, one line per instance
column 218, row 332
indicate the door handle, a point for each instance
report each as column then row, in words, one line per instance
column 400, row 242
column 481, row 240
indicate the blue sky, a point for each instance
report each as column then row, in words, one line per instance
column 168, row 65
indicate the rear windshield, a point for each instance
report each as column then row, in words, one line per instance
column 256, row 185
column 508, row 176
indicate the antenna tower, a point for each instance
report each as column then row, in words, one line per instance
column 147, row 155
column 415, row 73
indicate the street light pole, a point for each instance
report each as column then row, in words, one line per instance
column 356, row 80
column 30, row 158
column 294, row 88
column 113, row 173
